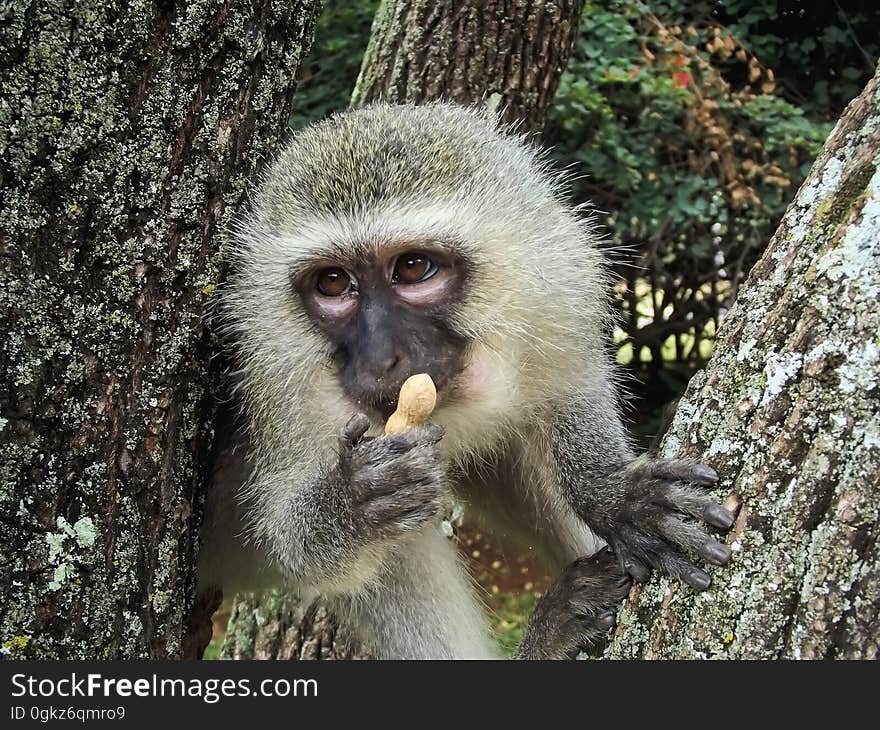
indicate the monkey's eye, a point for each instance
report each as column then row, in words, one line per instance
column 333, row 282
column 411, row 268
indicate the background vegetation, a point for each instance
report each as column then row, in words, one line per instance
column 694, row 123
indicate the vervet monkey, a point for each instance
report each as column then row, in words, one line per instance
column 394, row 240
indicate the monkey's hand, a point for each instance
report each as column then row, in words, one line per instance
column 648, row 513
column 577, row 610
column 396, row 483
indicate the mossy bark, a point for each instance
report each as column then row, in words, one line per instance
column 788, row 411
column 278, row 626
column 508, row 54
column 128, row 132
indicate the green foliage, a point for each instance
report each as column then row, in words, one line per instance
column 823, row 53
column 327, row 78
column 686, row 137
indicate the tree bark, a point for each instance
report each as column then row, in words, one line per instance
column 127, row 134
column 788, row 411
column 421, row 50
column 509, row 54
column 278, row 626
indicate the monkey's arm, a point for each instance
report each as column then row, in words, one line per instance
column 266, row 529
column 577, row 610
column 329, row 531
column 647, row 510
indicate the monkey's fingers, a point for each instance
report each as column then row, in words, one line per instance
column 401, row 512
column 391, row 470
column 587, row 597
column 596, row 573
column 634, row 568
column 683, row 470
column 672, row 563
column 641, row 548
column 694, row 540
column 354, row 430
column 690, row 501
column 427, row 435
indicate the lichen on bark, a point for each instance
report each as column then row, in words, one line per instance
column 276, row 625
column 789, row 414
column 127, row 135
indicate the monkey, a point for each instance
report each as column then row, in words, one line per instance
column 399, row 239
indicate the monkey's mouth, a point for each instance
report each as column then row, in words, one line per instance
column 386, row 408
column 377, row 404
column 380, row 399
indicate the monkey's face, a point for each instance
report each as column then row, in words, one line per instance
column 387, row 314
column 393, row 240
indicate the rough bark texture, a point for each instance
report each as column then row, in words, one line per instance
column 277, row 626
column 127, row 134
column 788, row 411
column 509, row 53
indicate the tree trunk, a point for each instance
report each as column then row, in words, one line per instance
column 422, row 50
column 278, row 626
column 788, row 411
column 509, row 54
column 127, row 134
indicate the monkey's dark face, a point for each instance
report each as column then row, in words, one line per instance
column 387, row 314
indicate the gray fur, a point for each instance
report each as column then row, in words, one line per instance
column 536, row 447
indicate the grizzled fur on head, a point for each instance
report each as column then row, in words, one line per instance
column 532, row 308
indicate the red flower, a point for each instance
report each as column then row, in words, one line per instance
column 681, row 79
column 634, row 71
column 680, row 61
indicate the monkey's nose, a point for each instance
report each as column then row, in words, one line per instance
column 389, row 364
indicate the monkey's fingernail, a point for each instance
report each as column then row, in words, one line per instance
column 697, row 579
column 704, row 474
column 355, row 428
column 718, row 553
column 717, row 516
column 605, row 620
